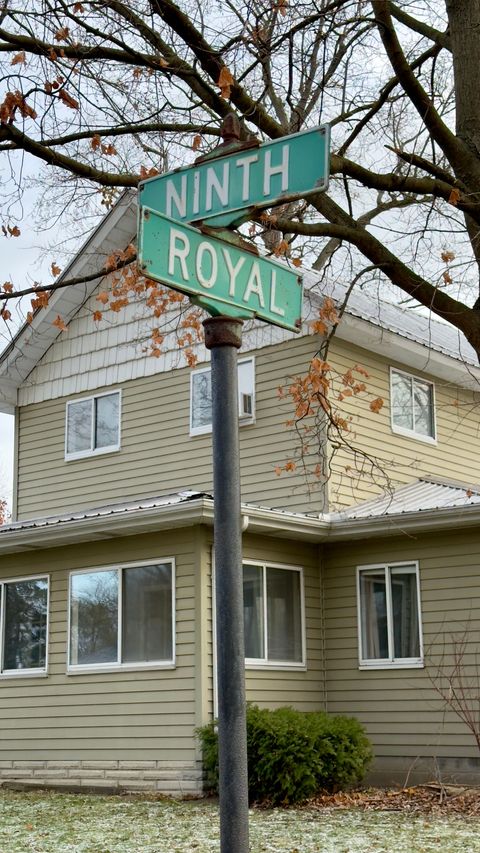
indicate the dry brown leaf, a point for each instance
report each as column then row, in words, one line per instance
column 376, row 405
column 62, row 34
column 225, row 82
column 454, row 197
column 68, row 100
column 60, row 324
column 19, row 58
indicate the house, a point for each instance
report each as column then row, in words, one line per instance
column 358, row 590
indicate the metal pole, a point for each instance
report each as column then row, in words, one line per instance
column 223, row 335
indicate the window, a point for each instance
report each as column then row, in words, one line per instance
column 273, row 614
column 412, row 405
column 389, row 615
column 122, row 616
column 24, row 626
column 93, row 425
column 201, row 397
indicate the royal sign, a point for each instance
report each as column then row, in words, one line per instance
column 218, row 275
column 220, row 190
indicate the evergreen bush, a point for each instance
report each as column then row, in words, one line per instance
column 294, row 755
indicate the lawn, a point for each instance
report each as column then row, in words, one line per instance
column 41, row 822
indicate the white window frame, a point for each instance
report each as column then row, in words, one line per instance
column 265, row 663
column 244, row 420
column 112, row 666
column 93, row 451
column 33, row 672
column 391, row 662
column 412, row 433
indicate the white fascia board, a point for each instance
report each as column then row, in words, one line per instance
column 421, row 521
column 407, row 351
column 33, row 340
column 59, row 533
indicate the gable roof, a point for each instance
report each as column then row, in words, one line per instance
column 417, row 341
column 33, row 340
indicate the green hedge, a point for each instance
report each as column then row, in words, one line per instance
column 294, row 755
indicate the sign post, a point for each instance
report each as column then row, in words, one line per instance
column 223, row 336
column 232, row 284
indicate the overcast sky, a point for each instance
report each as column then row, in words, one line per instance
column 21, row 264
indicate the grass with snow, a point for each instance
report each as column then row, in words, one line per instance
column 40, row 822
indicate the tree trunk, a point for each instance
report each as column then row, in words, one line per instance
column 464, row 24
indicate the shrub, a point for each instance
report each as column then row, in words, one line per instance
column 294, row 755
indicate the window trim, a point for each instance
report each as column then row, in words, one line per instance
column 110, row 666
column 37, row 672
column 390, row 662
column 411, row 433
column 266, row 663
column 93, row 451
column 243, row 421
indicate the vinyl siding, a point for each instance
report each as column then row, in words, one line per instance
column 139, row 715
column 303, row 689
column 401, row 459
column 400, row 708
column 157, row 455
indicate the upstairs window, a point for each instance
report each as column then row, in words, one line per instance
column 122, row 617
column 389, row 615
column 23, row 626
column 412, row 405
column 273, row 615
column 201, row 397
column 92, row 425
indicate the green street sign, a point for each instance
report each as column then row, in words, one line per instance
column 220, row 190
column 218, row 275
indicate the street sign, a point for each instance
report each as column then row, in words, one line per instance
column 218, row 275
column 220, row 190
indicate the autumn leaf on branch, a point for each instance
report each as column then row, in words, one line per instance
column 62, row 34
column 447, row 257
column 454, row 197
column 60, row 324
column 15, row 101
column 197, row 141
column 225, row 82
column 19, row 58
column 281, row 249
column 281, row 6
column 376, row 405
column 12, row 230
column 68, row 100
column 55, row 269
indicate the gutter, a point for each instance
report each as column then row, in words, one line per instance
column 54, row 533
column 411, row 523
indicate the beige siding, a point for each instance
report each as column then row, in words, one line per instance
column 403, row 713
column 303, row 689
column 158, row 456
column 400, row 459
column 137, row 715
